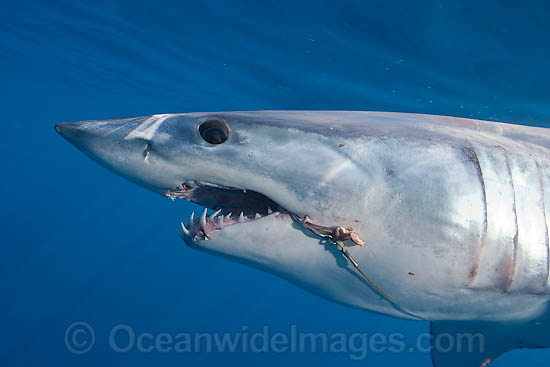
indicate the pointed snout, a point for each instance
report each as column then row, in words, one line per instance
column 103, row 140
column 120, row 145
column 59, row 128
column 79, row 134
column 71, row 130
column 97, row 133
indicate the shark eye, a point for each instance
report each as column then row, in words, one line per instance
column 214, row 131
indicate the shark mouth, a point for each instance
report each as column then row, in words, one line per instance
column 249, row 204
column 231, row 206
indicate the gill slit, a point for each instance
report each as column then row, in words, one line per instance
column 512, row 273
column 474, row 270
column 541, row 182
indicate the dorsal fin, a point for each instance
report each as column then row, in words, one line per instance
column 478, row 343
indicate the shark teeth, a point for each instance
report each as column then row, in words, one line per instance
column 201, row 228
column 185, row 230
column 213, row 215
column 203, row 219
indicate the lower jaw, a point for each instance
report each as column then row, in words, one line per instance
column 199, row 229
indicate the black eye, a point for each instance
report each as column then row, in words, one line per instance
column 214, row 131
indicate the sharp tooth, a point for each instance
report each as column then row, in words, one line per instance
column 257, row 216
column 203, row 219
column 269, row 211
column 241, row 217
column 192, row 218
column 213, row 215
column 228, row 216
column 185, row 230
column 220, row 220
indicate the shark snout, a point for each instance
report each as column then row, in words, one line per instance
column 78, row 134
column 98, row 133
column 72, row 131
column 64, row 128
column 122, row 146
column 83, row 136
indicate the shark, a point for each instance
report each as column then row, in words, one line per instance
column 423, row 217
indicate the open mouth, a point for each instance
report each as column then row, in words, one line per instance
column 231, row 206
column 250, row 205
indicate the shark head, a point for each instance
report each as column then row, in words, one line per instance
column 235, row 161
column 256, row 171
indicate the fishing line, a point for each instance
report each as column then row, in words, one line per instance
column 341, row 247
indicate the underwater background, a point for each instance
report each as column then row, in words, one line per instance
column 82, row 245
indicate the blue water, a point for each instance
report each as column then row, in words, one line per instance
column 81, row 244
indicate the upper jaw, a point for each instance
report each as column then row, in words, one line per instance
column 229, row 199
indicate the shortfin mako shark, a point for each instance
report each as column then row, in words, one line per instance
column 438, row 218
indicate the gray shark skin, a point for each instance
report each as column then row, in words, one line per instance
column 454, row 212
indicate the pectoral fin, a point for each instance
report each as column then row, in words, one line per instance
column 477, row 344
